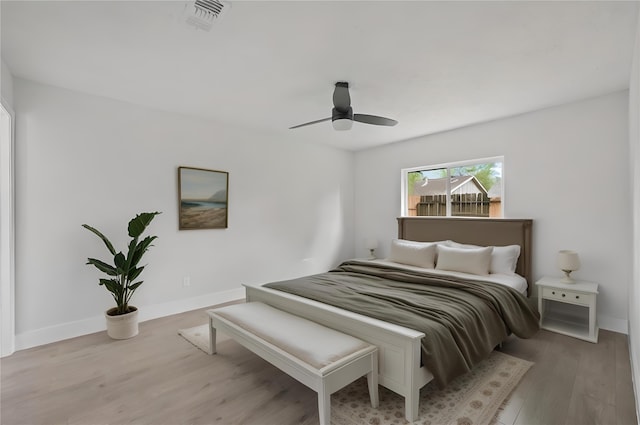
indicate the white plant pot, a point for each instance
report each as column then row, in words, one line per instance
column 123, row 326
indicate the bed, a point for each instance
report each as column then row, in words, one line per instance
column 401, row 353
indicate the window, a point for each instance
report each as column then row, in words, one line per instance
column 460, row 189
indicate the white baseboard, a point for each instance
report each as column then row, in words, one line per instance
column 612, row 324
column 97, row 324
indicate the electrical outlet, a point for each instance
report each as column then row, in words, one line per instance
column 186, row 282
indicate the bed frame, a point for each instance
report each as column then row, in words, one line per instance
column 399, row 347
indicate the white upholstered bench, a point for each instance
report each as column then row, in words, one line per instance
column 321, row 358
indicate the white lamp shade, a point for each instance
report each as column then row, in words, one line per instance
column 371, row 243
column 568, row 260
column 342, row 124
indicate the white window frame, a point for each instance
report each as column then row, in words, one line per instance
column 404, row 212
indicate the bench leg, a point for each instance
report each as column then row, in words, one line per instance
column 324, row 405
column 212, row 338
column 372, row 380
column 411, row 406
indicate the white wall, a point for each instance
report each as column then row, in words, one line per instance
column 565, row 167
column 6, row 84
column 85, row 159
column 634, row 144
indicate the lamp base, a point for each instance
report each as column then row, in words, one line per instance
column 567, row 277
column 372, row 256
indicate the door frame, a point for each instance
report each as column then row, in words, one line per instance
column 7, row 229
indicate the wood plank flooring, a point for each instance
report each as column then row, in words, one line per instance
column 159, row 378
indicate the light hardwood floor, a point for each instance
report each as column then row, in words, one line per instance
column 159, row 378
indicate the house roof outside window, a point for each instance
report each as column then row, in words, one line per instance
column 459, row 185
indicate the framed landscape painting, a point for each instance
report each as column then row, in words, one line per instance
column 203, row 198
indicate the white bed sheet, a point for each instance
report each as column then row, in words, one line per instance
column 514, row 281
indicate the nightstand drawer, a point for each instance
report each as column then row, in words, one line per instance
column 568, row 296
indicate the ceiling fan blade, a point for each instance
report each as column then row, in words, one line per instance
column 341, row 98
column 373, row 119
column 309, row 123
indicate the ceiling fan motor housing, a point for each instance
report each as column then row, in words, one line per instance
column 341, row 115
column 342, row 120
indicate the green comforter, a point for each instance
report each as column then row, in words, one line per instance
column 463, row 320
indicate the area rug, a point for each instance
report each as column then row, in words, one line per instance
column 198, row 336
column 471, row 399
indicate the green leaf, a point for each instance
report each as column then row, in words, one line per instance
column 103, row 267
column 114, row 287
column 141, row 248
column 135, row 272
column 139, row 223
column 131, row 253
column 120, row 262
column 135, row 286
column 106, row 281
column 101, row 236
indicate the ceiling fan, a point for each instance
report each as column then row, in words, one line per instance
column 342, row 116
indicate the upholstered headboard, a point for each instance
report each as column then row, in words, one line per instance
column 476, row 231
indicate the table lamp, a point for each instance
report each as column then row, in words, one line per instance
column 372, row 244
column 568, row 261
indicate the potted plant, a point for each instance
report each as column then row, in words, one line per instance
column 122, row 320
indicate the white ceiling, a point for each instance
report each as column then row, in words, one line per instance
column 433, row 66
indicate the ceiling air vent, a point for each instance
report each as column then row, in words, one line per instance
column 203, row 13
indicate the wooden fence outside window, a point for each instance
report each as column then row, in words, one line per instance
column 462, row 205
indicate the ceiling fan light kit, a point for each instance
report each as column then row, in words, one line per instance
column 342, row 124
column 342, row 120
column 342, row 116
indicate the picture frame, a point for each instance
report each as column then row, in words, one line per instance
column 203, row 197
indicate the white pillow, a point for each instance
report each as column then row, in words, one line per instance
column 504, row 259
column 420, row 254
column 466, row 260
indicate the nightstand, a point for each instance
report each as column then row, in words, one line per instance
column 568, row 308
